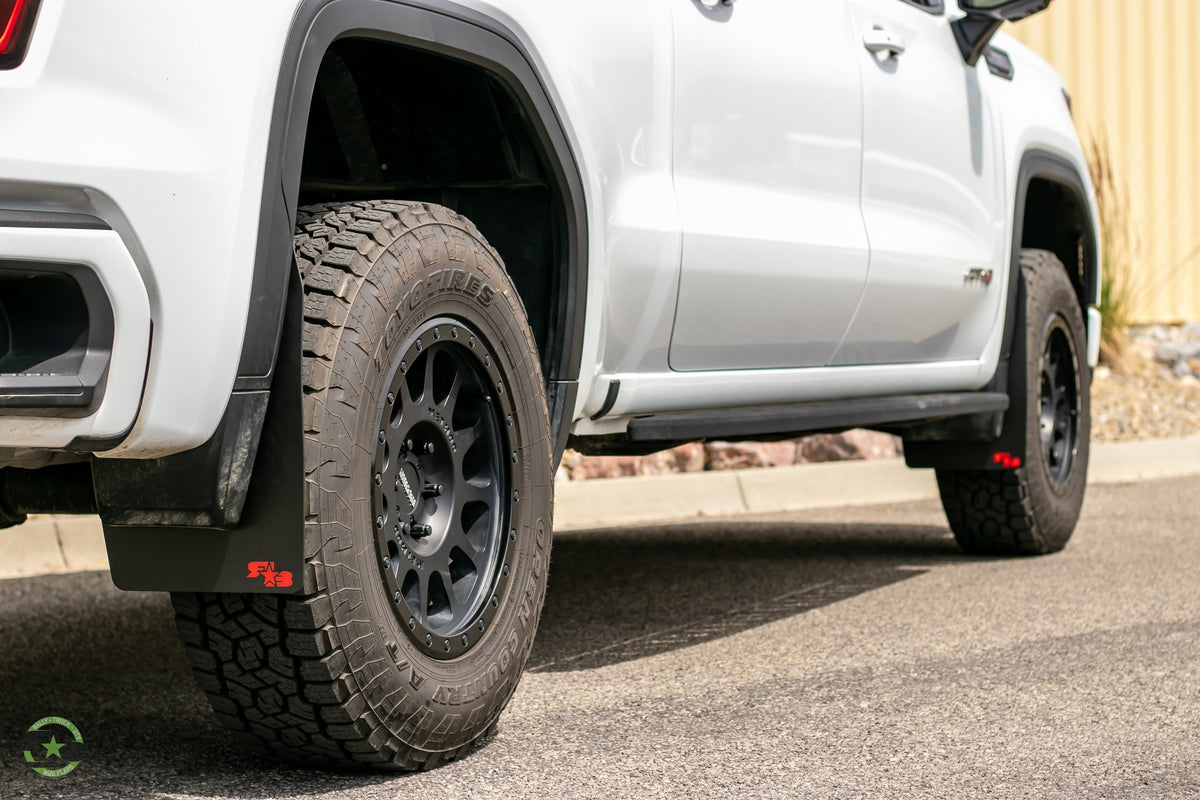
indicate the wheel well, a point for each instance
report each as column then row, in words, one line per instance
column 390, row 121
column 1056, row 219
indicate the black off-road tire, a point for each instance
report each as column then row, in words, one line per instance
column 346, row 675
column 1033, row 509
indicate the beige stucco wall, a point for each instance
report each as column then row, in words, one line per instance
column 1133, row 70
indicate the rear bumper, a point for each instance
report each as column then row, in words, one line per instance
column 92, row 403
column 122, row 112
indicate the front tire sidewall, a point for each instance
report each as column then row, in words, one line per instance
column 1056, row 506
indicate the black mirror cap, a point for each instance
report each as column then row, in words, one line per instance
column 984, row 17
column 1011, row 10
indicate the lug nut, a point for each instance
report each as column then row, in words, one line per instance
column 432, row 490
column 429, row 448
column 421, row 531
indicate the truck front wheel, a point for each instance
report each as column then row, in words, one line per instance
column 1032, row 509
column 427, row 505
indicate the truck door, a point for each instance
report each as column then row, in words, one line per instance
column 932, row 191
column 767, row 166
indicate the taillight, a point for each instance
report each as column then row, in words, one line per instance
column 16, row 22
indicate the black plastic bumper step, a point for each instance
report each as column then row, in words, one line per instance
column 45, row 392
column 802, row 418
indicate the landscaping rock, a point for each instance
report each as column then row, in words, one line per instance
column 1177, row 351
column 740, row 455
column 685, row 458
column 854, row 445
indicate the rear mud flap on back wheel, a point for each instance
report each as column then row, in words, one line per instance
column 264, row 553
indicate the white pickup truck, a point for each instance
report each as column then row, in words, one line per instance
column 305, row 299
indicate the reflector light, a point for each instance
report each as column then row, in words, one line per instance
column 1006, row 460
column 16, row 20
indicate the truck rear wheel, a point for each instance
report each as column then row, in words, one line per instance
column 1032, row 509
column 428, row 503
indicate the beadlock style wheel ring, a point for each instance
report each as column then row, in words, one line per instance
column 441, row 487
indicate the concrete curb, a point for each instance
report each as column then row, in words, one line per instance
column 661, row 498
column 46, row 545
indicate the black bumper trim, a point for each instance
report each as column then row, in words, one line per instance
column 12, row 218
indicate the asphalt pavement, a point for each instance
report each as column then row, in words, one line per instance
column 843, row 652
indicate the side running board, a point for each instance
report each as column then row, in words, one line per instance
column 799, row 418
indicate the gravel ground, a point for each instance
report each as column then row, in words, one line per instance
column 1143, row 399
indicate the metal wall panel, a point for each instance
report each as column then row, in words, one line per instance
column 1133, row 70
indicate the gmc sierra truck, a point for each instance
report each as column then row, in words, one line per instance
column 305, row 298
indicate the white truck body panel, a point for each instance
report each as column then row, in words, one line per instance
column 767, row 172
column 154, row 117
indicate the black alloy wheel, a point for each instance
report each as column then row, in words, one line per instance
column 1059, row 389
column 441, row 487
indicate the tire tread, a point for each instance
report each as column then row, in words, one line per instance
column 268, row 663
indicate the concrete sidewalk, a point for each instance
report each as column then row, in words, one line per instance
column 45, row 545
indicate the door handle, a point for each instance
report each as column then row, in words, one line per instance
column 877, row 40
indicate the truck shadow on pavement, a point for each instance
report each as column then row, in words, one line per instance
column 619, row 595
column 75, row 647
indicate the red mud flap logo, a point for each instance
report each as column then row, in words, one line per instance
column 1006, row 460
column 271, row 578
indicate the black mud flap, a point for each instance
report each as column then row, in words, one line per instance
column 999, row 449
column 265, row 552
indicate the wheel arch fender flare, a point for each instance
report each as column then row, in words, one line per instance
column 254, row 513
column 1039, row 164
column 435, row 26
column 973, row 442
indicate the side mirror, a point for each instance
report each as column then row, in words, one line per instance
column 984, row 18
